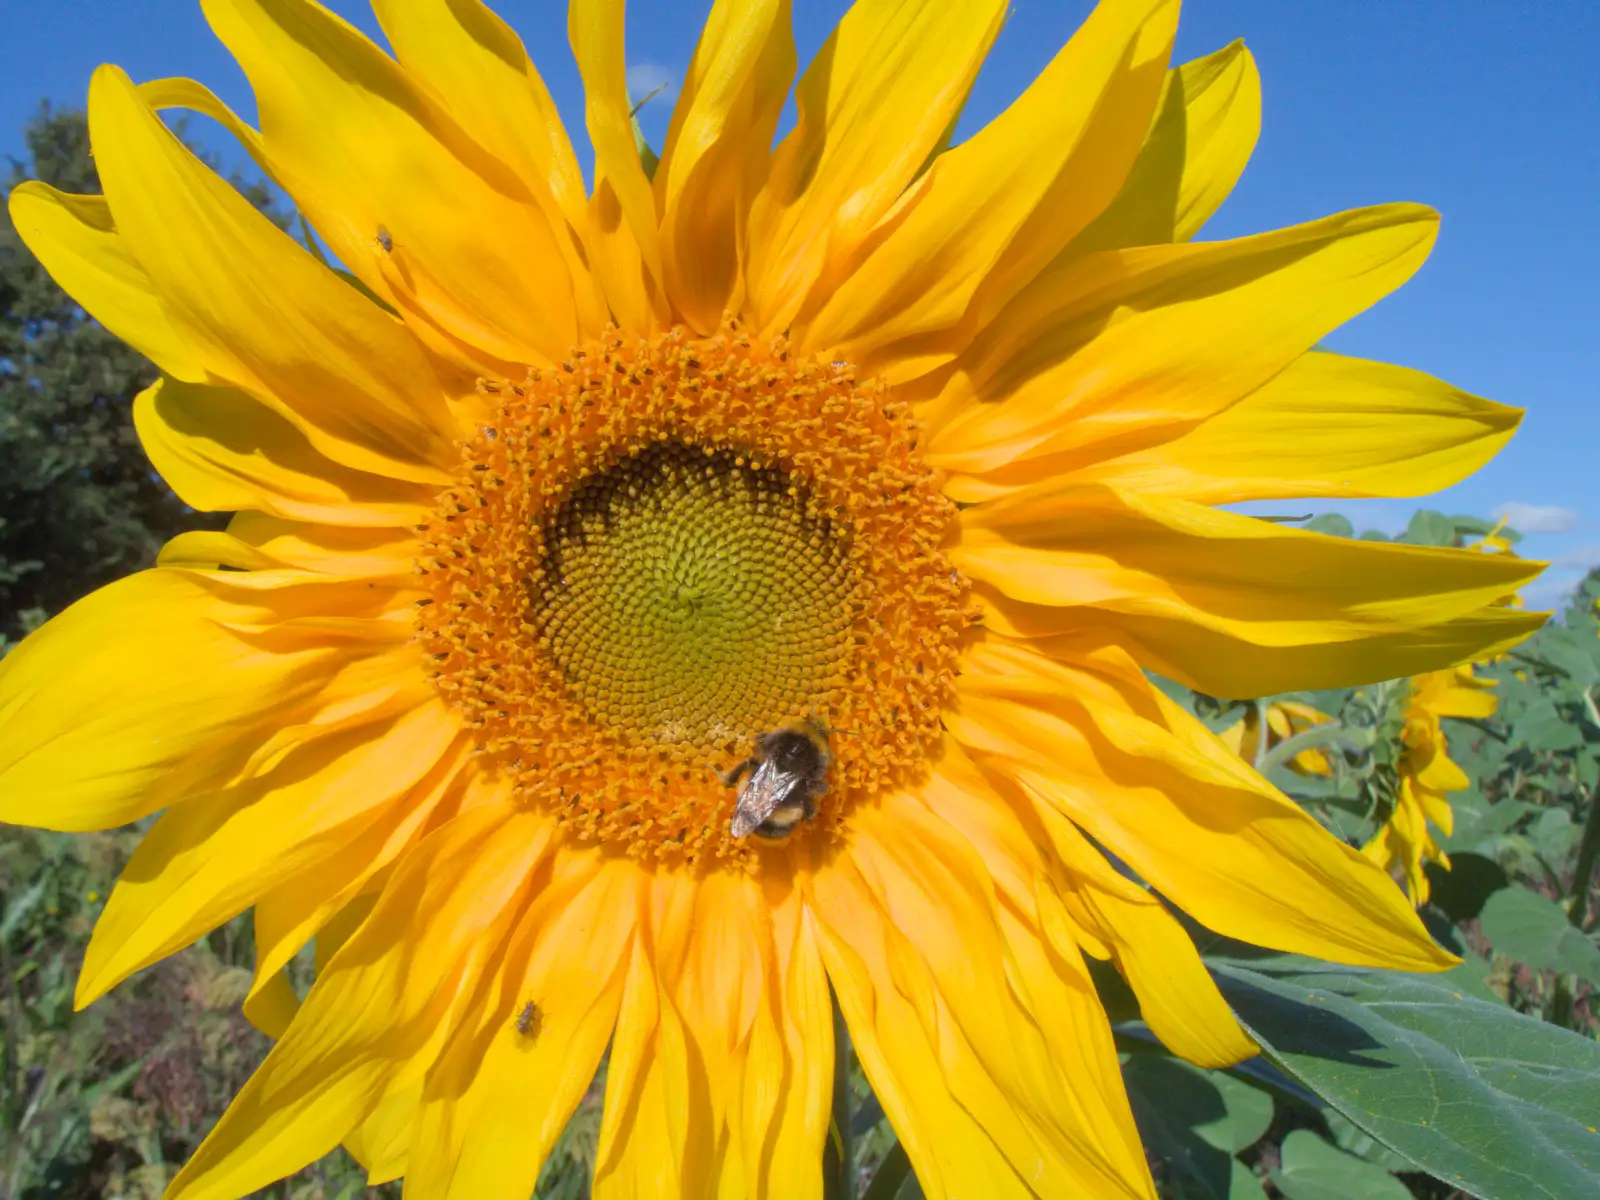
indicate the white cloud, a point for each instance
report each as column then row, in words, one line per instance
column 1536, row 518
column 646, row 77
column 1584, row 558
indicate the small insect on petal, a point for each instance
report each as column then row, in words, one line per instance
column 385, row 239
column 530, row 1020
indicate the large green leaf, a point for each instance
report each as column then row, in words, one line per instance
column 1195, row 1121
column 1313, row 1170
column 1488, row 1100
column 1525, row 926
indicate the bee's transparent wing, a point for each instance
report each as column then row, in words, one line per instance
column 757, row 799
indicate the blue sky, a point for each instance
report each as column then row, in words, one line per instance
column 1489, row 111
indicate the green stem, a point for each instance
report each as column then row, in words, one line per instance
column 1318, row 737
column 1578, row 905
column 838, row 1182
column 1588, row 851
column 1262, row 733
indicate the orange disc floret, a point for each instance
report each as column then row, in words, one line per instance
column 670, row 545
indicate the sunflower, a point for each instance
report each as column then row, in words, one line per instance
column 1284, row 719
column 1427, row 775
column 556, row 502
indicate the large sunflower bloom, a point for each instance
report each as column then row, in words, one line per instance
column 558, row 498
column 1428, row 775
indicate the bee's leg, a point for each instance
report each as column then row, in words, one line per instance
column 732, row 777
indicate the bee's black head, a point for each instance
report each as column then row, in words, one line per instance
column 794, row 751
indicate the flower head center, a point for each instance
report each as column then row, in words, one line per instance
column 688, row 594
column 670, row 547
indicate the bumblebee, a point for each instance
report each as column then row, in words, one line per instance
column 788, row 771
column 530, row 1020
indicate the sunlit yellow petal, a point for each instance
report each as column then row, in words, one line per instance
column 624, row 238
column 77, row 241
column 1185, row 582
column 1105, row 350
column 477, row 66
column 1099, row 742
column 870, row 108
column 716, row 152
column 221, row 450
column 992, row 211
column 334, row 364
column 1327, row 425
column 1206, row 125
column 354, row 134
column 373, row 1020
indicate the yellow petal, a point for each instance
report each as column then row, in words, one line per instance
column 208, row 859
column 871, row 107
column 716, row 152
column 222, row 451
column 498, row 1098
column 922, row 967
column 1120, row 919
column 136, row 695
column 1326, row 426
column 1226, row 603
column 1141, row 776
column 256, row 541
column 77, row 241
column 1140, row 345
column 476, row 64
column 302, row 907
column 1206, row 125
column 645, row 1128
column 624, row 244
column 373, row 1022
column 354, row 133
column 995, row 209
column 333, row 363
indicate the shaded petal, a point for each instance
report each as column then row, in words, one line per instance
column 1207, row 121
column 1114, row 350
column 498, row 1098
column 1190, row 584
column 376, row 1018
column 208, row 859
column 934, row 996
column 624, row 245
column 994, row 210
column 1097, row 741
column 139, row 694
column 474, row 62
column 1326, row 425
column 77, row 241
column 716, row 152
column 336, row 365
column 878, row 98
column 351, row 134
column 255, row 541
column 222, row 451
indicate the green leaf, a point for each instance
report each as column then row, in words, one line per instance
column 1523, row 925
column 1576, row 654
column 1332, row 524
column 1429, row 528
column 1313, row 1170
column 1478, row 1095
column 1195, row 1121
column 1542, row 727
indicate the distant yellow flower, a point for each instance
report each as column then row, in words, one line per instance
column 1427, row 774
column 1285, row 719
column 553, row 501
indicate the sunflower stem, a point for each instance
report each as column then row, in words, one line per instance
column 838, row 1182
column 1318, row 737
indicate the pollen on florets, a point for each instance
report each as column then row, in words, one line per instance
column 664, row 547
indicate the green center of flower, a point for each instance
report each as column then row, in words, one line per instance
column 689, row 594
